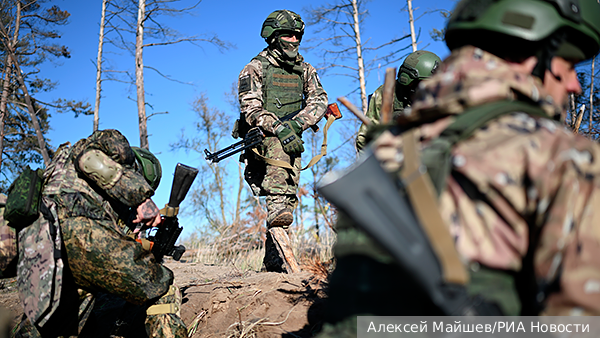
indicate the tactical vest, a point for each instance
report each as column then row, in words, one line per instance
column 283, row 91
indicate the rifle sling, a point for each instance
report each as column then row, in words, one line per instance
column 424, row 189
column 422, row 197
column 313, row 161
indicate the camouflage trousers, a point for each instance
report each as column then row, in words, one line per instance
column 100, row 258
column 164, row 317
column 161, row 319
column 265, row 179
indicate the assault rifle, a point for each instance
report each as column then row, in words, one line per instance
column 255, row 136
column 169, row 230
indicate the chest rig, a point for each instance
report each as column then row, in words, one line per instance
column 282, row 90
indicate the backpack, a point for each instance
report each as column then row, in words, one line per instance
column 23, row 201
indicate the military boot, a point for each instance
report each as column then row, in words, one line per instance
column 282, row 218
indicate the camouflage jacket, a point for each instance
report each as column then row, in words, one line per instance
column 129, row 191
column 374, row 114
column 251, row 100
column 68, row 194
column 519, row 185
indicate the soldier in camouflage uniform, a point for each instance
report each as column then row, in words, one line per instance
column 92, row 188
column 519, row 201
column 276, row 83
column 416, row 67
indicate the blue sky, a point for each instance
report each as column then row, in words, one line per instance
column 206, row 69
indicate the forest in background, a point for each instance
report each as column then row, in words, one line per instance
column 229, row 221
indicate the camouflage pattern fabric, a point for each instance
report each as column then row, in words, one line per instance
column 276, row 203
column 266, row 179
column 24, row 329
column 374, row 114
column 519, row 185
column 167, row 324
column 40, row 267
column 100, row 256
column 94, row 240
column 8, row 243
column 251, row 97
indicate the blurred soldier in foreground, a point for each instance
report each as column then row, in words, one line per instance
column 416, row 67
column 79, row 246
column 519, row 197
column 281, row 94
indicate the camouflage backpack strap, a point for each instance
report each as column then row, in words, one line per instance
column 437, row 156
column 422, row 196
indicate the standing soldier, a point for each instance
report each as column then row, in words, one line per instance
column 517, row 200
column 417, row 66
column 276, row 85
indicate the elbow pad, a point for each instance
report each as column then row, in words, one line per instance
column 100, row 168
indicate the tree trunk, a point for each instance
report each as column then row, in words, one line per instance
column 411, row 22
column 7, row 78
column 359, row 57
column 99, row 66
column 591, row 98
column 139, row 75
column 579, row 118
column 30, row 108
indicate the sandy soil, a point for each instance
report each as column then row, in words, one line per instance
column 225, row 302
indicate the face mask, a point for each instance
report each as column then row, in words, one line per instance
column 288, row 49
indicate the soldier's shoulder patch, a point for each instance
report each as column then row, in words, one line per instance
column 318, row 79
column 245, row 84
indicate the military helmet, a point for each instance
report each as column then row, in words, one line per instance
column 148, row 165
column 418, row 65
column 572, row 27
column 282, row 20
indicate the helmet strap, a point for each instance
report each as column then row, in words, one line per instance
column 546, row 54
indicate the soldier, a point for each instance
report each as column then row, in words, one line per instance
column 416, row 67
column 90, row 190
column 518, row 200
column 275, row 85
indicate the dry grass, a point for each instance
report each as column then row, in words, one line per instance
column 314, row 253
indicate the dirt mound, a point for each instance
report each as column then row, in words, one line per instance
column 226, row 302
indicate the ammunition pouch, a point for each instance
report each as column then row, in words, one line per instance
column 23, row 200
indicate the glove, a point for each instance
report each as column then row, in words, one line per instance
column 288, row 133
